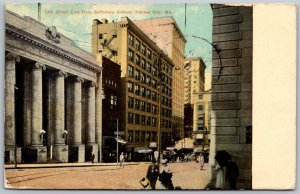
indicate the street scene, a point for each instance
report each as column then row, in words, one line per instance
column 186, row 175
column 128, row 96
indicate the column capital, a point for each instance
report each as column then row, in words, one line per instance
column 93, row 84
column 38, row 65
column 79, row 79
column 62, row 73
column 13, row 56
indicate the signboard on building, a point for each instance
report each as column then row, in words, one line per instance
column 119, row 132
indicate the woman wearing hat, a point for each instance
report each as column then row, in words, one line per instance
column 165, row 176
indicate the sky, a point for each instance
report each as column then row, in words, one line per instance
column 74, row 20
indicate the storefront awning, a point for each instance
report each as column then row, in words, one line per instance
column 120, row 140
column 143, row 150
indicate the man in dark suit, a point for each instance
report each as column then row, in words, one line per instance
column 152, row 174
column 232, row 172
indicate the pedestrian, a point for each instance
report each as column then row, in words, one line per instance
column 232, row 172
column 152, row 174
column 201, row 161
column 93, row 158
column 165, row 176
column 219, row 176
column 122, row 159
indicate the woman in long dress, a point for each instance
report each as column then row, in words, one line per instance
column 219, row 176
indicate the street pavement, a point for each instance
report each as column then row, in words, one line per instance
column 186, row 175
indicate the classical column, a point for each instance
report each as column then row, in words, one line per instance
column 77, row 111
column 91, row 113
column 59, row 126
column 10, row 81
column 37, row 106
column 98, row 110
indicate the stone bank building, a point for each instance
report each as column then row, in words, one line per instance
column 231, row 94
column 53, row 95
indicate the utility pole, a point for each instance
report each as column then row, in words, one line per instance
column 159, row 111
column 117, row 141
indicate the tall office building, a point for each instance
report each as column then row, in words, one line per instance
column 165, row 32
column 193, row 83
column 146, row 72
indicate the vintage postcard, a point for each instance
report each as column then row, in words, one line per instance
column 135, row 96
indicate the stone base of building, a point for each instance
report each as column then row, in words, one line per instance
column 61, row 153
column 242, row 155
column 91, row 148
column 35, row 154
column 10, row 154
column 77, row 153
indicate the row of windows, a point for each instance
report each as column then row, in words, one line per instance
column 141, row 136
column 140, row 76
column 110, row 82
column 146, row 136
column 146, row 52
column 141, row 119
column 141, row 47
column 141, row 105
column 142, row 91
column 146, row 120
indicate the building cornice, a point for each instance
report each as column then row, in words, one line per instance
column 19, row 33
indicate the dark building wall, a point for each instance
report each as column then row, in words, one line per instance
column 231, row 118
column 112, row 87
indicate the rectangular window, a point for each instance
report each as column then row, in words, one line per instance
column 137, row 136
column 137, row 74
column 154, row 96
column 137, row 59
column 130, row 87
column 137, row 44
column 130, row 136
column 143, row 63
column 149, row 54
column 130, row 102
column 148, row 94
column 143, row 93
column 143, row 77
column 142, row 136
column 200, row 107
column 148, row 67
column 137, row 89
column 143, row 120
column 154, row 136
column 130, row 39
column 148, row 107
column 130, row 117
column 130, row 71
column 130, row 55
column 143, row 49
column 154, row 108
column 137, row 104
column 148, row 121
column 147, row 136
column 100, row 36
column 137, row 119
column 153, row 121
column 143, row 105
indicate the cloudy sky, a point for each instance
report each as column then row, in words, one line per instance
column 75, row 20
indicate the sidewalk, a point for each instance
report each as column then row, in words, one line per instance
column 62, row 165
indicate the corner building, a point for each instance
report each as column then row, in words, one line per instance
column 52, row 95
column 145, row 73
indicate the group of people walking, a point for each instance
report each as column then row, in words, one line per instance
column 159, row 176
